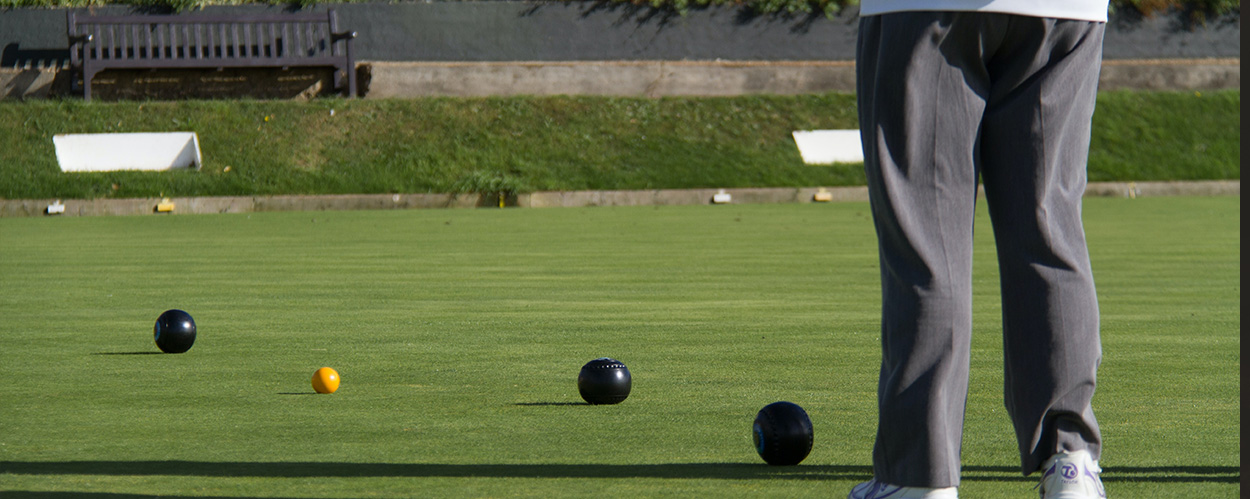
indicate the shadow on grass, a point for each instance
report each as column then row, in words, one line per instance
column 725, row 471
column 1156, row 474
column 721, row 471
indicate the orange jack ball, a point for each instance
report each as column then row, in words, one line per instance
column 325, row 380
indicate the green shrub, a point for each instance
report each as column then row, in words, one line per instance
column 492, row 186
column 1191, row 10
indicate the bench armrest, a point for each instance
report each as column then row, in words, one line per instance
column 79, row 39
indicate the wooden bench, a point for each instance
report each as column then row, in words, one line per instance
column 98, row 43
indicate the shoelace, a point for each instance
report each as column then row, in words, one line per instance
column 1047, row 473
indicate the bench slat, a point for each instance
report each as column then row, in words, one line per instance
column 226, row 63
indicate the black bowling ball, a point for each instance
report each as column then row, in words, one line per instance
column 783, row 434
column 604, row 381
column 174, row 331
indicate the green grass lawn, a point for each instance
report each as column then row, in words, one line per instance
column 459, row 335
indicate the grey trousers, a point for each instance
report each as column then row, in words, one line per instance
column 945, row 97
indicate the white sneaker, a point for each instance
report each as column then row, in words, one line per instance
column 1071, row 475
column 873, row 489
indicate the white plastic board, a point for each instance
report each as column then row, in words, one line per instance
column 99, row 152
column 823, row 147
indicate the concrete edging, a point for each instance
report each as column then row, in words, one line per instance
column 658, row 197
column 723, row 78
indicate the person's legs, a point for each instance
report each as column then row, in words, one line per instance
column 924, row 80
column 920, row 118
column 1034, row 149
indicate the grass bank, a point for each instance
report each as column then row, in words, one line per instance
column 334, row 146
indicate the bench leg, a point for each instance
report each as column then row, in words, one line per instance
column 351, row 83
column 87, row 76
